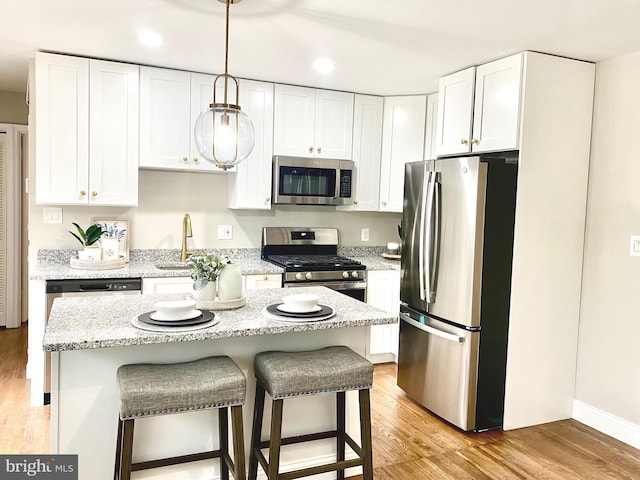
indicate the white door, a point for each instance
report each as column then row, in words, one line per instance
column 383, row 291
column 431, row 126
column 455, row 112
column 249, row 187
column 496, row 113
column 62, row 142
column 294, row 118
column 113, row 133
column 333, row 125
column 402, row 142
column 367, row 146
column 165, row 102
column 201, row 98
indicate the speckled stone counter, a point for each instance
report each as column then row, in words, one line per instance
column 77, row 323
column 91, row 337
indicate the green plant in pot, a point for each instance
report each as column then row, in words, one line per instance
column 204, row 273
column 88, row 239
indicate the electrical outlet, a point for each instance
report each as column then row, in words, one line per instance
column 634, row 246
column 364, row 235
column 225, row 232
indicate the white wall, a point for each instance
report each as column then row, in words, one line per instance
column 164, row 198
column 608, row 378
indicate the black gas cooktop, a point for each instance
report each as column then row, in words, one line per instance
column 314, row 261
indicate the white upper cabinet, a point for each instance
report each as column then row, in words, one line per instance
column 312, row 123
column 367, row 146
column 455, row 112
column 249, row 187
column 479, row 108
column 86, row 131
column 431, row 126
column 170, row 103
column 402, row 142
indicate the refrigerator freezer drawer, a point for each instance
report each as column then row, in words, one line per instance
column 437, row 367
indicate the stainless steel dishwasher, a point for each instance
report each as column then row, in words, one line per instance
column 79, row 287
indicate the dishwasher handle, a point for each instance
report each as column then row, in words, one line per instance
column 98, row 287
column 432, row 330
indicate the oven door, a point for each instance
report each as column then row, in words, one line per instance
column 357, row 290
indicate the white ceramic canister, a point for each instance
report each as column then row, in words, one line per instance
column 110, row 247
column 229, row 283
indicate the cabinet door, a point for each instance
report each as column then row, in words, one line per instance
column 164, row 118
column 62, row 122
column 402, row 142
column 167, row 285
column 256, row 282
column 383, row 291
column 201, row 98
column 455, row 112
column 113, row 133
column 367, row 146
column 496, row 113
column 431, row 127
column 294, row 118
column 333, row 125
column 249, row 187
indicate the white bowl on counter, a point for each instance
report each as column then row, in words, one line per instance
column 174, row 310
column 300, row 303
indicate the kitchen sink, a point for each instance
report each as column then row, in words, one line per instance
column 171, row 266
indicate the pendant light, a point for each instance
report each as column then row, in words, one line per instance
column 224, row 133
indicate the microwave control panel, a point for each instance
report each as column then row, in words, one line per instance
column 345, row 183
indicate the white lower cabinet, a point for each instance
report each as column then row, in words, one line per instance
column 167, row 285
column 256, row 282
column 383, row 291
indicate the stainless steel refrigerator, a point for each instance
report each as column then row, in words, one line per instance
column 457, row 227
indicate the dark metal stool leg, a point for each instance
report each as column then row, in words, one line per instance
column 340, row 428
column 118, row 462
column 127, row 450
column 365, row 434
column 275, row 439
column 258, row 413
column 238, row 443
column 223, row 428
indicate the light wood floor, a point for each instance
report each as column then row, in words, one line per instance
column 409, row 443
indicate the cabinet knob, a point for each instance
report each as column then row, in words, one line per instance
column 355, row 202
column 310, row 149
column 475, row 141
column 384, row 203
column 82, row 193
column 319, row 149
column 265, row 278
column 196, row 159
column 94, row 194
column 185, row 159
column 267, row 199
column 464, row 141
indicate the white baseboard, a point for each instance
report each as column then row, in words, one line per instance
column 604, row 422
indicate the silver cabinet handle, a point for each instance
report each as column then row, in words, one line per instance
column 432, row 330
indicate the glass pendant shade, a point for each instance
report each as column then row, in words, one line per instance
column 224, row 135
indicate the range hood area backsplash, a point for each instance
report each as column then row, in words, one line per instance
column 164, row 198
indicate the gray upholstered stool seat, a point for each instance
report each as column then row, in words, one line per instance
column 291, row 374
column 148, row 389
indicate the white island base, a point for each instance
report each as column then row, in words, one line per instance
column 84, row 406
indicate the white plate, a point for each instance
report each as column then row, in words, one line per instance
column 283, row 307
column 297, row 319
column 158, row 328
column 158, row 316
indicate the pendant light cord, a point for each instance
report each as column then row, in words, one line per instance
column 226, row 53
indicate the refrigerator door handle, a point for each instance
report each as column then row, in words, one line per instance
column 435, row 238
column 421, row 255
column 429, row 292
column 429, row 329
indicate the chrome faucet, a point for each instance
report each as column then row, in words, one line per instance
column 186, row 232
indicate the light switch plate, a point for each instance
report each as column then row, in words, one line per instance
column 52, row 215
column 364, row 235
column 634, row 246
column 225, row 232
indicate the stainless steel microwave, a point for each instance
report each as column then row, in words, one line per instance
column 312, row 181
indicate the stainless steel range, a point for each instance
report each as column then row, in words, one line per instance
column 309, row 256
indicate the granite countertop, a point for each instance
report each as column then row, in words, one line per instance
column 78, row 323
column 54, row 264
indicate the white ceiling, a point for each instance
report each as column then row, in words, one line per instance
column 379, row 46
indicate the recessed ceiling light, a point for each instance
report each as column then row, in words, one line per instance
column 324, row 65
column 149, row 38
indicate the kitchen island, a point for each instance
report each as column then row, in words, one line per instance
column 90, row 337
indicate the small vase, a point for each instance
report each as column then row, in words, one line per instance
column 206, row 293
column 229, row 283
column 109, row 248
column 91, row 253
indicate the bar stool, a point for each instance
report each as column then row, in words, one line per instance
column 164, row 389
column 292, row 374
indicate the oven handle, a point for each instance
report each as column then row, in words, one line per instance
column 331, row 285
